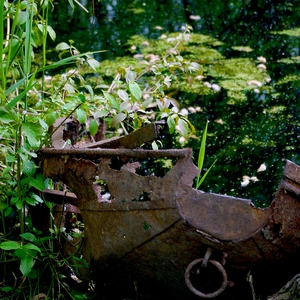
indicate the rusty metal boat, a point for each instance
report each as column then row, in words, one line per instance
column 155, row 234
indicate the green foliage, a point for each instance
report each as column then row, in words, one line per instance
column 201, row 156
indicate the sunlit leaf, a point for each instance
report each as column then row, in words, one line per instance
column 51, row 32
column 183, row 127
column 123, row 95
column 118, row 118
column 94, row 64
column 62, row 46
column 10, row 245
column 135, row 90
column 33, row 132
column 31, row 247
column 81, row 115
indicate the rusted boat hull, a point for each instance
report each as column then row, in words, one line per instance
column 154, row 227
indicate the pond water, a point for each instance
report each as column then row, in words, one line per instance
column 251, row 127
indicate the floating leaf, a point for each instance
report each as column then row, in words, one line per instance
column 135, row 90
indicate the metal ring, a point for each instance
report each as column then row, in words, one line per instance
column 198, row 293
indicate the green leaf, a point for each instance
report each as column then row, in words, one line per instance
column 81, row 115
column 38, row 182
column 118, row 118
column 183, row 126
column 135, row 90
column 7, row 116
column 30, row 246
column 10, row 245
column 29, row 237
column 171, row 123
column 30, row 201
column 93, row 127
column 62, row 46
column 29, row 167
column 51, row 32
column 123, row 95
column 33, row 132
column 26, row 265
column 8, row 211
column 110, row 98
column 94, row 64
column 101, row 113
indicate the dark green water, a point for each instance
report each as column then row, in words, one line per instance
column 247, row 128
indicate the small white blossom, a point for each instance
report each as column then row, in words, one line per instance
column 163, row 36
column 198, row 109
column 207, row 84
column 184, row 112
column 262, row 67
column 256, row 91
column 138, row 56
column 254, row 82
column 145, row 43
column 219, row 121
column 262, row 168
column 158, row 27
column 262, row 59
column 181, row 140
column 192, row 110
column 268, row 80
column 215, row 87
column 246, row 181
column 195, row 17
column 254, row 179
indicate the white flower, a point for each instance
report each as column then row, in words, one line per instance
column 246, row 181
column 262, row 59
column 184, row 112
column 145, row 43
column 262, row 67
column 254, row 82
column 219, row 121
column 199, row 77
column 138, row 56
column 133, row 47
column 198, row 109
column 158, row 27
column 195, row 18
column 207, row 84
column 181, row 140
column 192, row 110
column 254, row 179
column 268, row 80
column 256, row 91
column 215, row 87
column 262, row 168
column 163, row 36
